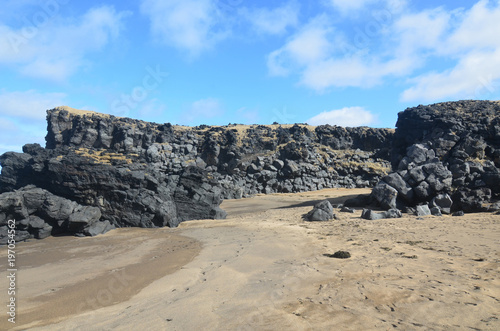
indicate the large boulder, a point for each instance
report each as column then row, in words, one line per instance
column 38, row 213
column 322, row 211
column 385, row 195
column 443, row 202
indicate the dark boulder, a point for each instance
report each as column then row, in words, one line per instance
column 385, row 195
column 372, row 215
column 322, row 211
column 422, row 210
column 443, row 202
column 38, row 214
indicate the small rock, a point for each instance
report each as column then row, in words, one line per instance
column 436, row 211
column 339, row 255
column 371, row 215
column 347, row 210
column 458, row 213
column 422, row 210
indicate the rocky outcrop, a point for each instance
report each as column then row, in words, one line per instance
column 39, row 213
column 245, row 160
column 442, row 150
column 445, row 158
column 150, row 175
column 128, row 192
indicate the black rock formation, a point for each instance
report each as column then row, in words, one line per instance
column 39, row 213
column 442, row 150
column 150, row 175
column 144, row 174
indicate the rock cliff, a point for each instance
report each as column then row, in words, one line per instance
column 245, row 160
column 144, row 174
column 100, row 171
column 447, row 151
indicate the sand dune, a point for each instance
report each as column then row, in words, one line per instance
column 264, row 268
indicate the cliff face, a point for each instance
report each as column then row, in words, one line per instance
column 135, row 173
column 450, row 127
column 99, row 171
column 448, row 150
column 245, row 159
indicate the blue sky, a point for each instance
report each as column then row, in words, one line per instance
column 191, row 62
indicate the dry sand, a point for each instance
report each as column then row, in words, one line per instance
column 265, row 268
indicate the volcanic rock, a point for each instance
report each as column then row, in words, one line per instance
column 322, row 211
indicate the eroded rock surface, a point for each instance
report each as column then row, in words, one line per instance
column 447, row 155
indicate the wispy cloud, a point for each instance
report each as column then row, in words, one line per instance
column 275, row 20
column 473, row 46
column 22, row 117
column 348, row 116
column 190, row 25
column 400, row 44
column 57, row 48
column 29, row 104
column 312, row 44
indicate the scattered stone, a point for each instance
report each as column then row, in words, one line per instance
column 458, row 213
column 422, row 210
column 371, row 215
column 347, row 210
column 339, row 255
column 435, row 211
column 322, row 211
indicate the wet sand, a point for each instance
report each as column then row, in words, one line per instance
column 63, row 276
column 265, row 268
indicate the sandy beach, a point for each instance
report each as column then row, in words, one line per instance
column 265, row 268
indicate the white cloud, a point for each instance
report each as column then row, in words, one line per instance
column 310, row 45
column 29, row 104
column 317, row 53
column 350, row 7
column 55, row 49
column 420, row 31
column 475, row 75
column 348, row 116
column 273, row 21
column 460, row 46
column 202, row 109
column 191, row 25
column 472, row 44
column 22, row 117
column 340, row 73
column 478, row 29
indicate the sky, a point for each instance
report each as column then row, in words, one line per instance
column 215, row 62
